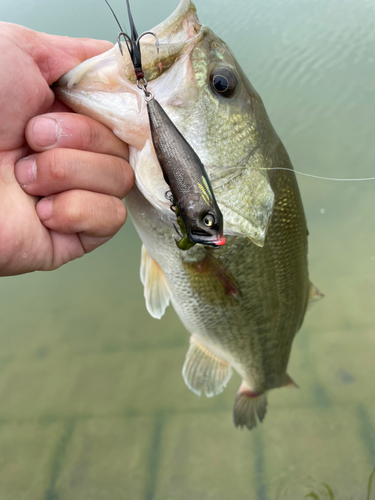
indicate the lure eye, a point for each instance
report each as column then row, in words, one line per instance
column 208, row 220
column 223, row 82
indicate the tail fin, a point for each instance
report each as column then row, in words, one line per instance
column 249, row 407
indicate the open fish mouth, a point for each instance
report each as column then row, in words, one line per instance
column 104, row 88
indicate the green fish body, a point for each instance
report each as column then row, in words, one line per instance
column 244, row 302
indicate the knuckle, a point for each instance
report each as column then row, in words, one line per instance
column 95, row 135
column 123, row 177
column 119, row 214
column 108, row 215
column 57, row 169
column 127, row 178
column 93, row 213
column 73, row 208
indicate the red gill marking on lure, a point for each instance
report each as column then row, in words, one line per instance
column 220, row 242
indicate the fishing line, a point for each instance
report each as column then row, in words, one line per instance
column 319, row 177
column 360, row 179
column 336, row 179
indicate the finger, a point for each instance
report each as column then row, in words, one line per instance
column 59, row 107
column 43, row 58
column 70, row 130
column 84, row 212
column 69, row 52
column 67, row 247
column 59, row 170
column 54, row 55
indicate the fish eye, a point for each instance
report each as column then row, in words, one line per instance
column 223, row 81
column 208, row 220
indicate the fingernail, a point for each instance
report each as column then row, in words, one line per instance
column 25, row 171
column 46, row 131
column 44, row 209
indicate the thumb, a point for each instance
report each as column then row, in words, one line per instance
column 55, row 55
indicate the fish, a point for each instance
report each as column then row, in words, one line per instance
column 244, row 302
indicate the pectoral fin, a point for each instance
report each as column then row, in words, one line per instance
column 156, row 291
column 211, row 279
column 202, row 369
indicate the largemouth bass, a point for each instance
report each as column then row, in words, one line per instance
column 244, row 302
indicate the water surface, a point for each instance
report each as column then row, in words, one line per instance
column 92, row 402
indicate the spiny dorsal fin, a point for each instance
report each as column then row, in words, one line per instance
column 314, row 295
column 203, row 369
column 249, row 407
column 156, row 291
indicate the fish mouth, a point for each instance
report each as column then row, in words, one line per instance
column 177, row 36
column 181, row 25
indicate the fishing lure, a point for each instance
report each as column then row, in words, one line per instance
column 192, row 199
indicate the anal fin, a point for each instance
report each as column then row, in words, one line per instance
column 156, row 291
column 202, row 369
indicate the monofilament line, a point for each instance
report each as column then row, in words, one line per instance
column 360, row 179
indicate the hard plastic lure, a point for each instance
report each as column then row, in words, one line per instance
column 192, row 199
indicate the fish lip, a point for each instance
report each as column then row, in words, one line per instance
column 184, row 11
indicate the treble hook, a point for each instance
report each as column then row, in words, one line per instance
column 127, row 40
column 132, row 44
column 154, row 35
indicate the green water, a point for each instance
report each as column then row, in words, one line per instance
column 92, row 402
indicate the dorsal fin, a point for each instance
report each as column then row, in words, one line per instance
column 314, row 295
column 290, row 382
column 202, row 369
column 156, row 291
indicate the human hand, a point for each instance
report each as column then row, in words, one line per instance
column 72, row 169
